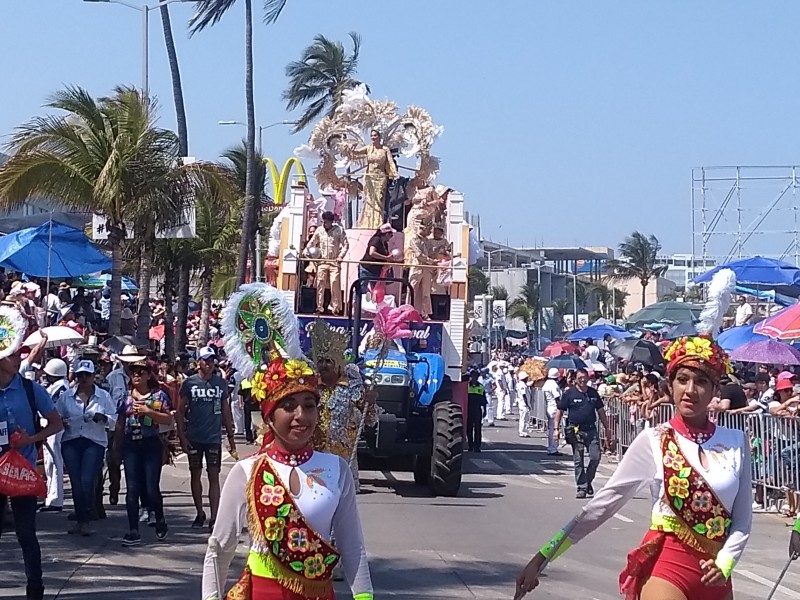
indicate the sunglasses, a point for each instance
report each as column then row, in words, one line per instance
column 139, row 371
column 84, row 374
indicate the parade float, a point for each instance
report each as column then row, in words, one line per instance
column 418, row 385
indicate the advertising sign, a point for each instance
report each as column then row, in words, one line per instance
column 427, row 336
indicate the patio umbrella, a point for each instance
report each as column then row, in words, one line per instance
column 681, row 330
column 784, row 325
column 57, row 335
column 116, row 343
column 676, row 312
column 566, row 361
column 757, row 270
column 732, row 338
column 768, row 352
column 559, row 348
column 598, row 332
column 637, row 351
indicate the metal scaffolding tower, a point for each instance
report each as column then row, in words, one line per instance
column 745, row 211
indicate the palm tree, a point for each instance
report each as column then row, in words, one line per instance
column 177, row 88
column 478, row 283
column 560, row 308
column 217, row 230
column 318, row 80
column 638, row 254
column 103, row 156
column 209, row 12
column 499, row 292
column 526, row 307
column 236, row 165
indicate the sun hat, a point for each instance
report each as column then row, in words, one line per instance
column 785, row 375
column 386, row 228
column 130, row 354
column 783, row 384
column 552, row 373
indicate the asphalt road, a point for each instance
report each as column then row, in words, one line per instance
column 513, row 499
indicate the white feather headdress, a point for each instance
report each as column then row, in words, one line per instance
column 257, row 326
column 12, row 330
column 720, row 289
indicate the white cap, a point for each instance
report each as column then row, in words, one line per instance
column 56, row 367
column 552, row 373
column 523, row 376
column 84, row 366
column 206, row 352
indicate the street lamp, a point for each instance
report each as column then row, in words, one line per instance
column 260, row 128
column 145, row 10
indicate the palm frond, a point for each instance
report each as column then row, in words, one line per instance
column 273, row 10
column 208, row 12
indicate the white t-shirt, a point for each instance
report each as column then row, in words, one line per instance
column 743, row 313
column 551, row 395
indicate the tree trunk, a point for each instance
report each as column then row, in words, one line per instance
column 143, row 315
column 183, row 309
column 205, row 310
column 250, row 180
column 644, row 293
column 115, row 240
column 177, row 89
column 169, row 317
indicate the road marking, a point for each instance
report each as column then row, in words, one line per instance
column 763, row 581
column 541, row 479
column 622, row 518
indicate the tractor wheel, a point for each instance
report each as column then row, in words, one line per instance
column 448, row 446
column 422, row 469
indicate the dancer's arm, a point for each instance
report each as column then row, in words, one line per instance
column 741, row 517
column 231, row 517
column 634, row 473
column 350, row 539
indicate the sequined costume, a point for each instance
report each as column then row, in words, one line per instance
column 341, row 409
column 380, row 167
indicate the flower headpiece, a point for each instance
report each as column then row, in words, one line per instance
column 698, row 352
column 328, row 344
column 262, row 341
column 12, row 330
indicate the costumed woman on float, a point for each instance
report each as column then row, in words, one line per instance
column 288, row 496
column 699, row 475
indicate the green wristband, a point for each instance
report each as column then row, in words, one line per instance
column 363, row 596
column 549, row 550
column 796, row 526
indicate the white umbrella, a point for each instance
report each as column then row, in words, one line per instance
column 58, row 335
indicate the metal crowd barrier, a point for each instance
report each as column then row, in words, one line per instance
column 774, row 443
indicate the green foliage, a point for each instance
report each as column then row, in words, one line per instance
column 478, row 283
column 318, row 80
column 638, row 254
column 499, row 292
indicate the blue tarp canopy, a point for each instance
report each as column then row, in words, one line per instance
column 770, row 295
column 51, row 250
column 761, row 272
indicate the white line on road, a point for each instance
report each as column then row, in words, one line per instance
column 765, row 582
column 541, row 479
column 622, row 518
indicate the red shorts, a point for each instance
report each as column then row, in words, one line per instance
column 680, row 565
column 269, row 589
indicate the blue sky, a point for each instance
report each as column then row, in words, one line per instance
column 565, row 122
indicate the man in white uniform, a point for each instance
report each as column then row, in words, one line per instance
column 510, row 397
column 55, row 372
column 744, row 312
column 551, row 395
column 501, row 391
column 523, row 403
column 488, row 383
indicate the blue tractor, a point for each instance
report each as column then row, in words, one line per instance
column 419, row 419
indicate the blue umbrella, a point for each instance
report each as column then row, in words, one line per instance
column 51, row 250
column 598, row 332
column 733, row 338
column 757, row 271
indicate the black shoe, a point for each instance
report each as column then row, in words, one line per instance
column 131, row 538
column 34, row 591
column 580, row 495
column 211, row 526
column 113, row 498
column 72, row 517
column 161, row 530
column 199, row 521
column 51, row 509
column 470, row 449
column 590, row 492
column 478, row 450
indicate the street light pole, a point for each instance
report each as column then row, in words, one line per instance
column 145, row 10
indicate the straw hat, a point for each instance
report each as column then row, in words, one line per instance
column 130, row 354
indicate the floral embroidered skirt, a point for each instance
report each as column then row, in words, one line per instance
column 270, row 589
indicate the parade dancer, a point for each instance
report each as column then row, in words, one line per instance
column 342, row 396
column 289, row 496
column 699, row 476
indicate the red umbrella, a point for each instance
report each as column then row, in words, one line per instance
column 559, row 348
column 784, row 325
